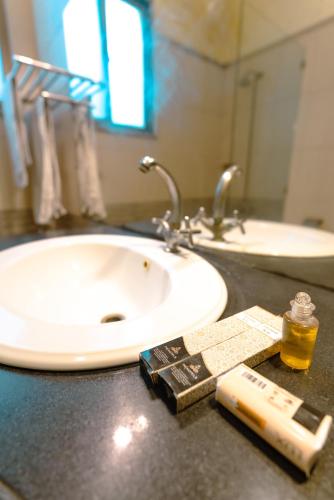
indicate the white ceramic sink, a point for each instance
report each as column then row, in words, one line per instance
column 55, row 293
column 272, row 238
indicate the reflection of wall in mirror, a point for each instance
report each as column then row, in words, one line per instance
column 265, row 114
column 311, row 182
column 268, row 22
column 292, row 153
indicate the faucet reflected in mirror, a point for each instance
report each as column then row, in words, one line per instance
column 217, row 223
column 173, row 226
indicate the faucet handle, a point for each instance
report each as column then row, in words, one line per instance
column 201, row 214
column 238, row 221
column 188, row 231
column 167, row 215
column 162, row 223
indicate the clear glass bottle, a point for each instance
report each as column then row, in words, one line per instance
column 300, row 330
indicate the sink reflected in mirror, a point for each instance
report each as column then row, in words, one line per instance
column 90, row 301
column 271, row 238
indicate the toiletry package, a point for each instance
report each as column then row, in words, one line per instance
column 194, row 377
column 159, row 357
column 285, row 421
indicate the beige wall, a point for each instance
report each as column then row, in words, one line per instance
column 188, row 125
column 266, row 22
column 311, row 183
column 187, row 139
column 5, row 48
column 213, row 27
column 22, row 34
column 21, row 27
column 11, row 198
column 189, row 116
column 209, row 27
column 193, row 120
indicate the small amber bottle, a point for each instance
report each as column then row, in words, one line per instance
column 300, row 330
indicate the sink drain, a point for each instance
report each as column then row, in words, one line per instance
column 112, row 318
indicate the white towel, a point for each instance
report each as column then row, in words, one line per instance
column 92, row 203
column 47, row 202
column 16, row 132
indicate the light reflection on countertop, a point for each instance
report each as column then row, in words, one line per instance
column 123, row 435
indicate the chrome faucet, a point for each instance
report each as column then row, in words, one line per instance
column 174, row 228
column 175, row 237
column 216, row 223
column 147, row 164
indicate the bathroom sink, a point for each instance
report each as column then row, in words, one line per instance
column 272, row 238
column 90, row 301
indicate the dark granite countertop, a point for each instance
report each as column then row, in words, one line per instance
column 103, row 434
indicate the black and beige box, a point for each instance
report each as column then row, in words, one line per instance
column 157, row 358
column 194, row 377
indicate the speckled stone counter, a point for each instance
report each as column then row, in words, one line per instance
column 104, row 435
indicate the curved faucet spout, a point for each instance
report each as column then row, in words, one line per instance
column 148, row 164
column 219, row 201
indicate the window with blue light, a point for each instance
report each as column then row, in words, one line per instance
column 110, row 40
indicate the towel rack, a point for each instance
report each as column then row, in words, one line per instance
column 34, row 77
column 49, row 96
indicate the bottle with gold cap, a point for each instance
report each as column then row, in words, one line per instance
column 300, row 330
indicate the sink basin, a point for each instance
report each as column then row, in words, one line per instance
column 272, row 238
column 81, row 302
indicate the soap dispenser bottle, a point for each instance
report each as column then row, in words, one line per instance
column 300, row 330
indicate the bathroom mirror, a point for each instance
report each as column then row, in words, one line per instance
column 245, row 81
column 281, row 127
